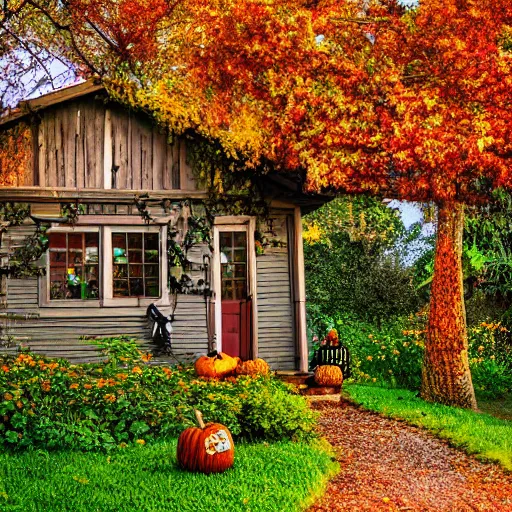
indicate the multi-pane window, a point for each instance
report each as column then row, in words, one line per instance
column 74, row 266
column 136, row 269
column 233, row 248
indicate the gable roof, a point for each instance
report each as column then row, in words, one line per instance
column 27, row 107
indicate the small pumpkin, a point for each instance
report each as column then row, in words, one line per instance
column 253, row 367
column 216, row 366
column 207, row 448
column 328, row 375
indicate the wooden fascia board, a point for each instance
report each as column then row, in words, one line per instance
column 49, row 194
column 27, row 107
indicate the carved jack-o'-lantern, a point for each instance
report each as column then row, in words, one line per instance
column 217, row 366
column 207, row 449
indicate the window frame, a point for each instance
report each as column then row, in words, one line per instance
column 106, row 269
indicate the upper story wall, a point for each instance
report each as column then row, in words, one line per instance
column 87, row 143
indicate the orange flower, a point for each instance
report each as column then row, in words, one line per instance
column 101, row 383
column 8, row 396
column 146, row 357
column 369, row 358
column 19, row 404
column 87, row 386
column 167, row 371
column 45, row 385
column 121, row 376
column 74, row 386
column 110, row 398
column 141, row 442
column 5, row 368
column 136, row 369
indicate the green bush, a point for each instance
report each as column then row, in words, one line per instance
column 54, row 404
column 392, row 354
column 490, row 359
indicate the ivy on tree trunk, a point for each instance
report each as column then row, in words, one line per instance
column 446, row 377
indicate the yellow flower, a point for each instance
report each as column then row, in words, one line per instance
column 480, row 348
column 374, row 379
column 396, row 352
column 141, row 442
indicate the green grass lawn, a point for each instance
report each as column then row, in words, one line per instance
column 266, row 477
column 478, row 433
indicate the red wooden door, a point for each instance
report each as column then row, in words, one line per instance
column 235, row 304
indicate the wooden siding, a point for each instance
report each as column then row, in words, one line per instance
column 57, row 332
column 76, row 140
column 276, row 331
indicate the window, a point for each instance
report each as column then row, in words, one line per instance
column 105, row 266
column 233, row 260
column 136, row 269
column 74, row 266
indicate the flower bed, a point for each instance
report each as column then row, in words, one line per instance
column 54, row 404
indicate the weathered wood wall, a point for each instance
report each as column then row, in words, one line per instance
column 276, row 324
column 87, row 143
column 57, row 332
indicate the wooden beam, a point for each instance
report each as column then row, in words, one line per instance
column 107, row 152
column 300, row 291
column 51, row 194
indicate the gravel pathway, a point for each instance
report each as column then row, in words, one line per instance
column 387, row 465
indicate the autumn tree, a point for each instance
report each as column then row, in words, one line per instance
column 358, row 97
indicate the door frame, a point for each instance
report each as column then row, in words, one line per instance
column 236, row 223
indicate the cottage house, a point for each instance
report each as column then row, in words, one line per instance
column 107, row 255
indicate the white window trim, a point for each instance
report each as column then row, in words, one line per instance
column 231, row 223
column 106, row 270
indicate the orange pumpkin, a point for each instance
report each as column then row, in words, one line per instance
column 253, row 367
column 217, row 366
column 207, row 449
column 328, row 375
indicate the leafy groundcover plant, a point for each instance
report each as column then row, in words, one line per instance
column 54, row 404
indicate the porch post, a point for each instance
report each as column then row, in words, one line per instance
column 300, row 292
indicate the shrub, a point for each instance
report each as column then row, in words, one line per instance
column 393, row 354
column 490, row 359
column 52, row 403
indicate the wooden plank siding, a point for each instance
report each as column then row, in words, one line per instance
column 57, row 332
column 71, row 150
column 276, row 338
column 60, row 333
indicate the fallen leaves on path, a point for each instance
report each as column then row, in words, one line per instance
column 387, row 465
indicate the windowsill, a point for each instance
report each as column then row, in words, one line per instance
column 77, row 303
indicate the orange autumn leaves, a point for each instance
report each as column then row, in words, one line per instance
column 364, row 96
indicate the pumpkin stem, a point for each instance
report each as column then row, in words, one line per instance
column 199, row 418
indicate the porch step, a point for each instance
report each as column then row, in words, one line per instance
column 306, row 384
column 295, row 378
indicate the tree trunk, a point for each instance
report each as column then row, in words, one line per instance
column 445, row 374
